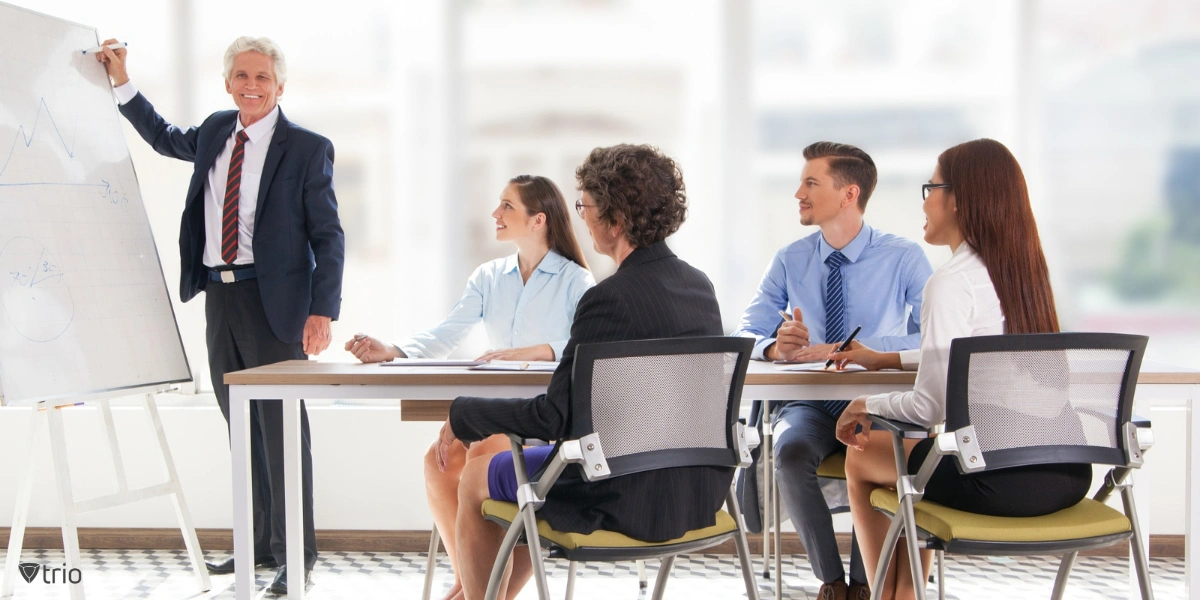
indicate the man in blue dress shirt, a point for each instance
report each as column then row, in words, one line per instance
column 844, row 276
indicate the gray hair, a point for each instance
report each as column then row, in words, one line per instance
column 262, row 45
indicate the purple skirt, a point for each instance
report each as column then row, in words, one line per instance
column 502, row 476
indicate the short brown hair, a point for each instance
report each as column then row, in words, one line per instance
column 638, row 185
column 848, row 165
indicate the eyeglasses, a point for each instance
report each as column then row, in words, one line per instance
column 926, row 187
column 579, row 207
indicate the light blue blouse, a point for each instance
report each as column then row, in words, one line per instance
column 514, row 313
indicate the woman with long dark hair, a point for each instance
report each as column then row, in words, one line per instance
column 526, row 302
column 995, row 282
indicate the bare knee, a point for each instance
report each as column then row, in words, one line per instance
column 473, row 484
column 875, row 465
column 437, row 481
column 855, row 471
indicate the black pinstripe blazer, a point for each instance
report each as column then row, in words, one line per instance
column 652, row 295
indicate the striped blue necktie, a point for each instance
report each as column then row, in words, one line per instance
column 835, row 316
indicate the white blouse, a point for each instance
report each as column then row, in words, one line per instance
column 960, row 301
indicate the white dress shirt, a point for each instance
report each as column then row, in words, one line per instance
column 959, row 301
column 515, row 313
column 259, row 134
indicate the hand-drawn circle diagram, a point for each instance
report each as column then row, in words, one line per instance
column 37, row 301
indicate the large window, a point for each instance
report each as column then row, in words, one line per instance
column 433, row 106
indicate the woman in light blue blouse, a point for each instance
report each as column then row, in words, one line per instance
column 526, row 302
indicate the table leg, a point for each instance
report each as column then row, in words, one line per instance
column 243, row 520
column 778, row 534
column 766, row 483
column 293, row 500
column 1191, row 502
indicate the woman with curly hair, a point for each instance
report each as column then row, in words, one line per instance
column 632, row 198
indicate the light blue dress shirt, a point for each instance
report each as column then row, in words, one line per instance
column 883, row 280
column 514, row 313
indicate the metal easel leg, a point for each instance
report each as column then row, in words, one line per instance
column 62, row 472
column 16, row 535
column 190, row 540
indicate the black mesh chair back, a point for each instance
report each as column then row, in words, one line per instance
column 1045, row 398
column 659, row 403
column 637, row 406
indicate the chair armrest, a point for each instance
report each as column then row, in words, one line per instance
column 526, row 441
column 753, row 439
column 900, row 428
column 746, row 439
column 1140, row 421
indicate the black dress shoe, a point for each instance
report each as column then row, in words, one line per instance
column 279, row 585
column 226, row 566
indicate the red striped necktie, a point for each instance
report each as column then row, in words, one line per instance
column 229, row 218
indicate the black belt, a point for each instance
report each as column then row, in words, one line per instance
column 228, row 275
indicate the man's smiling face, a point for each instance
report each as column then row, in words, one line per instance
column 253, row 86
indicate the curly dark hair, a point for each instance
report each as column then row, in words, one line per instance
column 638, row 186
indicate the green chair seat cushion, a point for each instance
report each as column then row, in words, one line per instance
column 833, row 467
column 507, row 511
column 1084, row 520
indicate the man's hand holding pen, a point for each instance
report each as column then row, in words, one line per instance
column 792, row 338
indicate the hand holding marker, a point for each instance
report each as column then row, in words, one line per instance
column 98, row 49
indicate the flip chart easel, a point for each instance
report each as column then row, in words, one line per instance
column 85, row 315
column 48, row 418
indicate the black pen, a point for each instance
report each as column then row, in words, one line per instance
column 845, row 344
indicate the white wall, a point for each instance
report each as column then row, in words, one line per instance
column 367, row 466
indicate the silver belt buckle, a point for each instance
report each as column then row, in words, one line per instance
column 227, row 277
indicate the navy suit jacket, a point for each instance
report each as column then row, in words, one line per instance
column 299, row 247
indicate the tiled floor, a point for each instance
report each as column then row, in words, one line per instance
column 119, row 574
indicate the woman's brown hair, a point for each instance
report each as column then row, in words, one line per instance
column 540, row 195
column 996, row 219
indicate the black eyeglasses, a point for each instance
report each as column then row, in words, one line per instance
column 579, row 207
column 925, row 187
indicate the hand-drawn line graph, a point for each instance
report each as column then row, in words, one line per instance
column 113, row 196
column 107, row 192
column 37, row 301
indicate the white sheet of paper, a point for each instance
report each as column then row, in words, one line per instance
column 517, row 365
column 432, row 362
column 820, row 366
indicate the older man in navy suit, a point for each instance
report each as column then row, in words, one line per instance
column 260, row 234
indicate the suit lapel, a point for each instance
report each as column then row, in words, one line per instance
column 275, row 154
column 209, row 154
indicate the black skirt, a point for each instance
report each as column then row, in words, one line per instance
column 1029, row 491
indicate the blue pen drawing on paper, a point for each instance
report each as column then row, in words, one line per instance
column 36, row 299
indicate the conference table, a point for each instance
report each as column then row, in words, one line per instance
column 427, row 391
